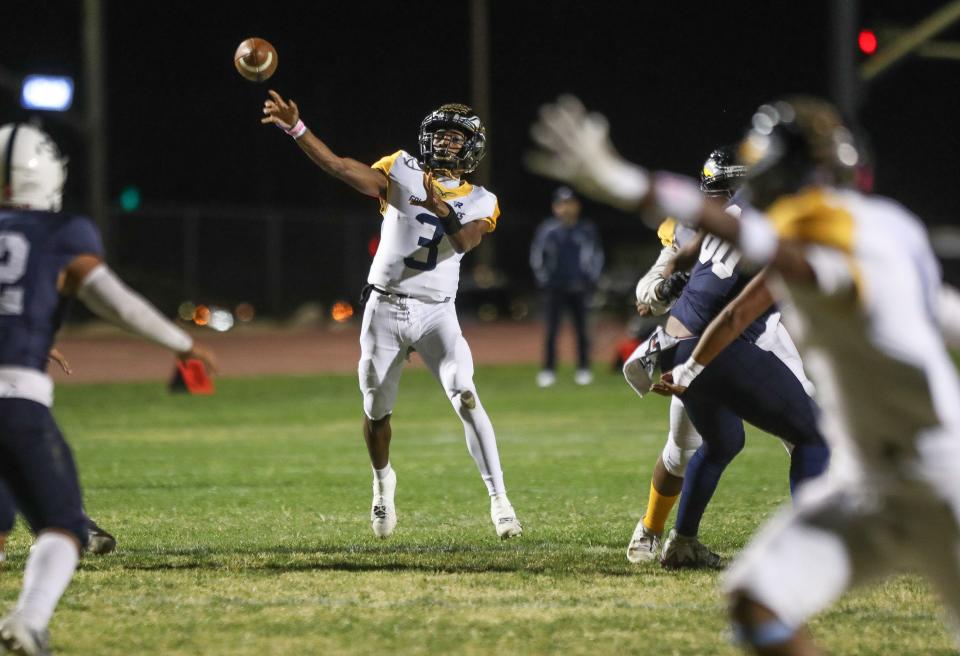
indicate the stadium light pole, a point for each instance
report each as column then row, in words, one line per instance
column 845, row 84
column 94, row 55
column 480, row 97
column 480, row 73
column 911, row 40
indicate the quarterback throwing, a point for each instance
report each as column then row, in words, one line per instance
column 431, row 217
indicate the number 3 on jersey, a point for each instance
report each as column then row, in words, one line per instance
column 14, row 249
column 432, row 244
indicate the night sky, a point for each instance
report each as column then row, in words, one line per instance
column 676, row 79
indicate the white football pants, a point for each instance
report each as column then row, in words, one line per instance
column 392, row 326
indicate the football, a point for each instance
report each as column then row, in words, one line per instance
column 255, row 59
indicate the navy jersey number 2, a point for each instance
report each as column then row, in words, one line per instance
column 14, row 251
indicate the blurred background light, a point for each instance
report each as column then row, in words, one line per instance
column 130, row 198
column 186, row 310
column 867, row 40
column 201, row 315
column 220, row 320
column 373, row 244
column 487, row 312
column 244, row 312
column 53, row 93
column 341, row 311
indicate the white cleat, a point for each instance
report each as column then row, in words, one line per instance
column 546, row 378
column 583, row 377
column 18, row 638
column 644, row 545
column 504, row 518
column 383, row 513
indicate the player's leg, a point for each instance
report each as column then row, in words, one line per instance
column 940, row 564
column 382, row 356
column 665, row 484
column 447, row 354
column 8, row 514
column 552, row 307
column 577, row 303
column 37, row 466
column 762, row 389
column 934, row 532
column 723, row 439
column 801, row 562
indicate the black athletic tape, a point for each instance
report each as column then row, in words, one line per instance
column 7, row 162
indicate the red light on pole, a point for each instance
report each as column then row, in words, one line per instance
column 867, row 41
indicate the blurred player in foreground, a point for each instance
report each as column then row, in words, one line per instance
column 46, row 258
column 431, row 218
column 890, row 500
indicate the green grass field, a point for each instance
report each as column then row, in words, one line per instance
column 243, row 528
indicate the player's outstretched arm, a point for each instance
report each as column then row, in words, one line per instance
column 90, row 280
column 575, row 147
column 286, row 115
column 752, row 301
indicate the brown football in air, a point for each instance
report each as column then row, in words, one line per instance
column 255, row 59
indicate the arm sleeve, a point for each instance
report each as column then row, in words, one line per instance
column 106, row 296
column 950, row 315
column 647, row 285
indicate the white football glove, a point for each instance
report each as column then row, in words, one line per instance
column 576, row 149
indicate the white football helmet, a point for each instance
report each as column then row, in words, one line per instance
column 31, row 168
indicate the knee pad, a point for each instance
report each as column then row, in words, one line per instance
column 375, row 407
column 675, row 459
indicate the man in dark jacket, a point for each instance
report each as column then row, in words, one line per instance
column 566, row 257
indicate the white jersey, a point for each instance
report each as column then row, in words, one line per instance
column 870, row 335
column 414, row 258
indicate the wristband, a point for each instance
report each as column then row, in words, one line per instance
column 684, row 374
column 297, row 130
column 451, row 223
column 758, row 239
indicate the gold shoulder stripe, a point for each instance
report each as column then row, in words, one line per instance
column 492, row 219
column 810, row 216
column 667, row 232
column 385, row 163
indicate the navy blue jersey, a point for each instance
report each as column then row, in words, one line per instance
column 34, row 248
column 714, row 282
